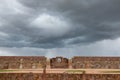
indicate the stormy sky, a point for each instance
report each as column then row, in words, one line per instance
column 59, row 28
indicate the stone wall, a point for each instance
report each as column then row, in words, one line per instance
column 36, row 62
column 21, row 62
column 59, row 62
column 37, row 76
column 96, row 62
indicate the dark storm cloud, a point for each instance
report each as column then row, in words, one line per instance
column 57, row 23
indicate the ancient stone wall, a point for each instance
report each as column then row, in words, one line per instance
column 21, row 62
column 37, row 76
column 96, row 62
column 59, row 62
column 36, row 62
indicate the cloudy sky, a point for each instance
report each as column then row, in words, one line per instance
column 60, row 28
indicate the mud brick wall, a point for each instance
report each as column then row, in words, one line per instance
column 21, row 62
column 96, row 62
column 37, row 76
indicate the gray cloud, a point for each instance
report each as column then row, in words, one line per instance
column 57, row 23
column 102, row 48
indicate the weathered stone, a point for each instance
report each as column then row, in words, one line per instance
column 41, row 62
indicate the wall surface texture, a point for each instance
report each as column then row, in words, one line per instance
column 37, row 76
column 22, row 62
column 37, row 62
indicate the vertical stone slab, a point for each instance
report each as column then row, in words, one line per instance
column 70, row 63
column 44, row 72
column 84, row 76
column 48, row 64
column 33, row 66
column 21, row 64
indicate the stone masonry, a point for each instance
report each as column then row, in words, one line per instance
column 36, row 62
